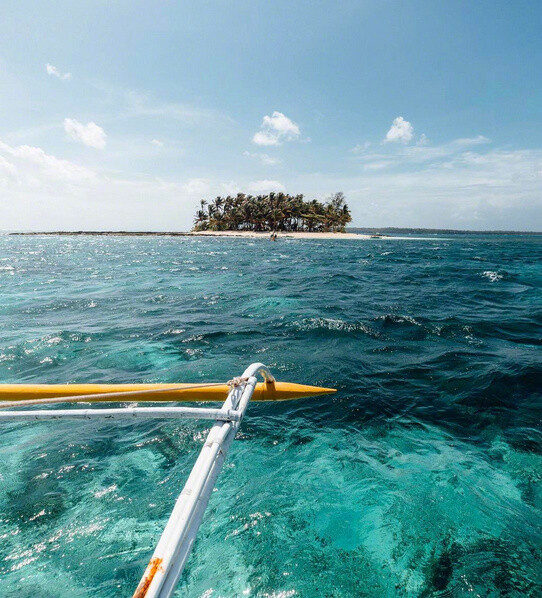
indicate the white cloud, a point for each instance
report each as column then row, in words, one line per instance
column 281, row 123
column 265, row 186
column 157, row 142
column 196, row 186
column 263, row 158
column 230, row 188
column 400, row 130
column 265, row 138
column 7, row 169
column 52, row 70
column 90, row 134
column 275, row 129
column 40, row 191
column 29, row 166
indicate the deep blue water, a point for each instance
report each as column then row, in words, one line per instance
column 421, row 477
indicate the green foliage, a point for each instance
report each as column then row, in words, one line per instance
column 274, row 211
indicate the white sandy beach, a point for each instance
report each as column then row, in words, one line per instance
column 282, row 235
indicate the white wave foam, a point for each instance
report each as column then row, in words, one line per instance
column 493, row 276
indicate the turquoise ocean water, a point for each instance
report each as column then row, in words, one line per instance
column 421, row 477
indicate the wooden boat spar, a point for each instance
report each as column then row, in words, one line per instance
column 166, row 564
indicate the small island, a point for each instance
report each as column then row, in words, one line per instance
column 273, row 212
column 256, row 216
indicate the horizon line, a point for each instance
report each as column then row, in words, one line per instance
column 351, row 229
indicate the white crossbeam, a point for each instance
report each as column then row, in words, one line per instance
column 122, row 413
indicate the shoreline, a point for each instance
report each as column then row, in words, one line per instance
column 280, row 235
column 231, row 234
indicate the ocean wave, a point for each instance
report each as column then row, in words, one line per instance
column 492, row 276
column 332, row 325
column 393, row 319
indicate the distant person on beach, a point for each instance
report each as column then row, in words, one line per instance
column 273, row 236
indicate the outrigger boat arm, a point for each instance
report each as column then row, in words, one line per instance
column 168, row 560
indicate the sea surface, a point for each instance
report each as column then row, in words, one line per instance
column 421, row 477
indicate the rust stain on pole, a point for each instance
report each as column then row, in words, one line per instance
column 152, row 569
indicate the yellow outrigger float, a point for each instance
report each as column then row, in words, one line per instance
column 167, row 562
column 92, row 393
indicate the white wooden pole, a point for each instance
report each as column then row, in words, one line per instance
column 173, row 548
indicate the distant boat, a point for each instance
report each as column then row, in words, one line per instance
column 166, row 565
column 376, row 236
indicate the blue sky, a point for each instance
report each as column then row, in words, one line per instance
column 122, row 115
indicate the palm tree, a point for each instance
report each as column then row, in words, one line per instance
column 274, row 211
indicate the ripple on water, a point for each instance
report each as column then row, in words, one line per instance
column 420, row 478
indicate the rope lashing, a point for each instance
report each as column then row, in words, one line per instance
column 237, row 381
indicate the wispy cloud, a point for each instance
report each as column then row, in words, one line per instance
column 121, row 103
column 140, row 104
column 52, row 70
column 426, row 152
column 263, row 158
column 361, row 147
column 90, row 134
column 377, row 165
column 403, row 156
column 196, row 187
column 157, row 142
column 265, row 186
column 275, row 129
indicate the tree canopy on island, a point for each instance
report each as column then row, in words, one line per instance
column 274, row 211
